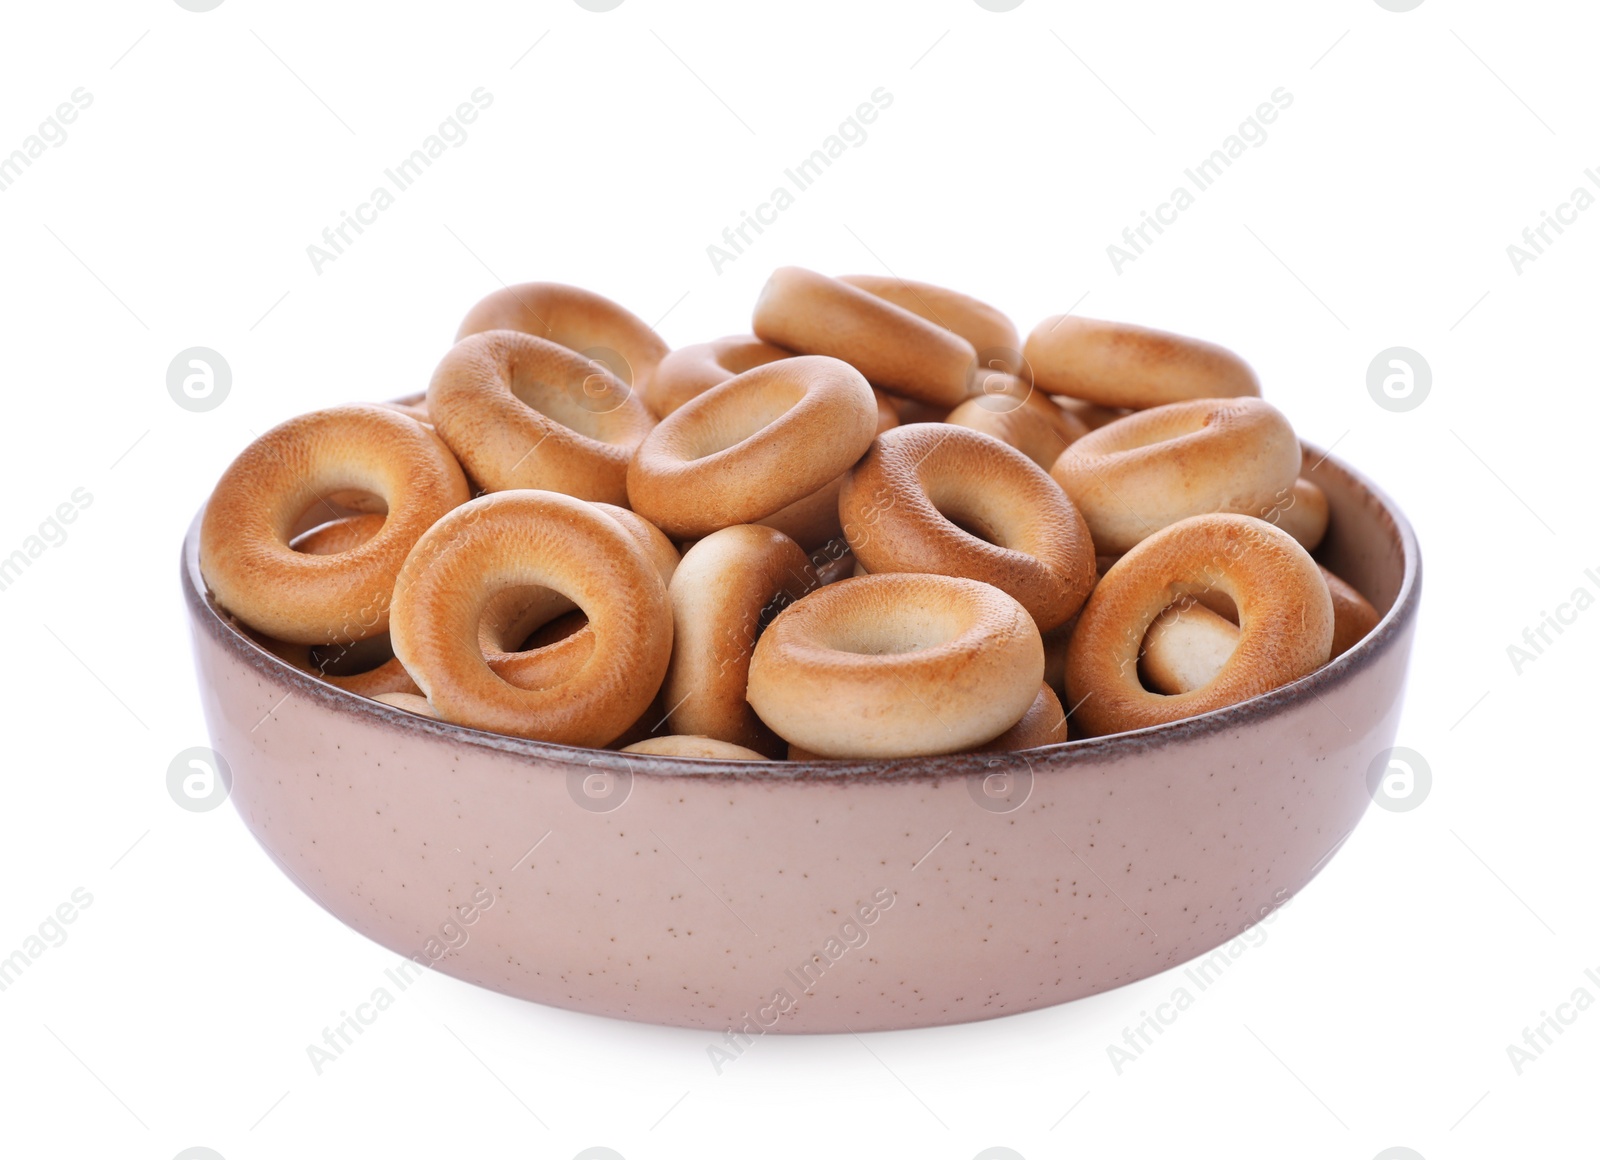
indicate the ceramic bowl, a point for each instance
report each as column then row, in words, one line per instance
column 814, row 896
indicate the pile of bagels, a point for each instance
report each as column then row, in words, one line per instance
column 879, row 526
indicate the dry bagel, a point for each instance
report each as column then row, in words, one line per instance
column 265, row 493
column 909, row 503
column 897, row 665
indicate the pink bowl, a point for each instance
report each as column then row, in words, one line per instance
column 814, row 896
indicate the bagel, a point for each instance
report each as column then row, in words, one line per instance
column 908, row 504
column 1117, row 364
column 1045, row 723
column 752, row 446
column 1353, row 615
column 895, row 349
column 1302, row 511
column 992, row 335
column 694, row 370
column 1189, row 643
column 415, row 409
column 303, row 598
column 1146, row 471
column 536, row 637
column 728, row 587
column 683, row 745
column 523, row 413
column 577, row 319
column 533, row 539
column 897, row 665
column 1091, row 415
column 410, row 702
column 367, row 667
column 1034, row 425
column 1185, row 647
column 814, row 521
column 1285, row 616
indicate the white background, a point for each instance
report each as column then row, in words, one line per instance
column 1377, row 1008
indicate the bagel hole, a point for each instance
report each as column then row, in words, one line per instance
column 349, row 660
column 528, row 617
column 893, row 632
column 335, row 506
column 579, row 400
column 563, row 626
column 723, row 427
column 965, row 512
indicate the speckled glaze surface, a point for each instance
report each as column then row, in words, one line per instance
column 723, row 894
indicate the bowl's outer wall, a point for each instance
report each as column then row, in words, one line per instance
column 710, row 901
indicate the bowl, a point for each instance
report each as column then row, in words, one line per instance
column 814, row 896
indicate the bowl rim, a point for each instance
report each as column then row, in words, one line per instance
column 1392, row 626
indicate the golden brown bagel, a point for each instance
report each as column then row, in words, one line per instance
column 897, row 665
column 1286, row 620
column 1137, row 475
column 906, row 355
column 683, row 745
column 1045, row 723
column 909, row 503
column 1353, row 614
column 520, row 413
column 410, row 702
column 1186, row 647
column 992, row 335
column 308, row 599
column 1033, row 425
column 522, row 539
column 535, row 638
column 694, row 370
column 752, row 446
column 728, row 587
column 368, row 667
column 814, row 521
column 1302, row 511
column 577, row 319
column 1117, row 364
